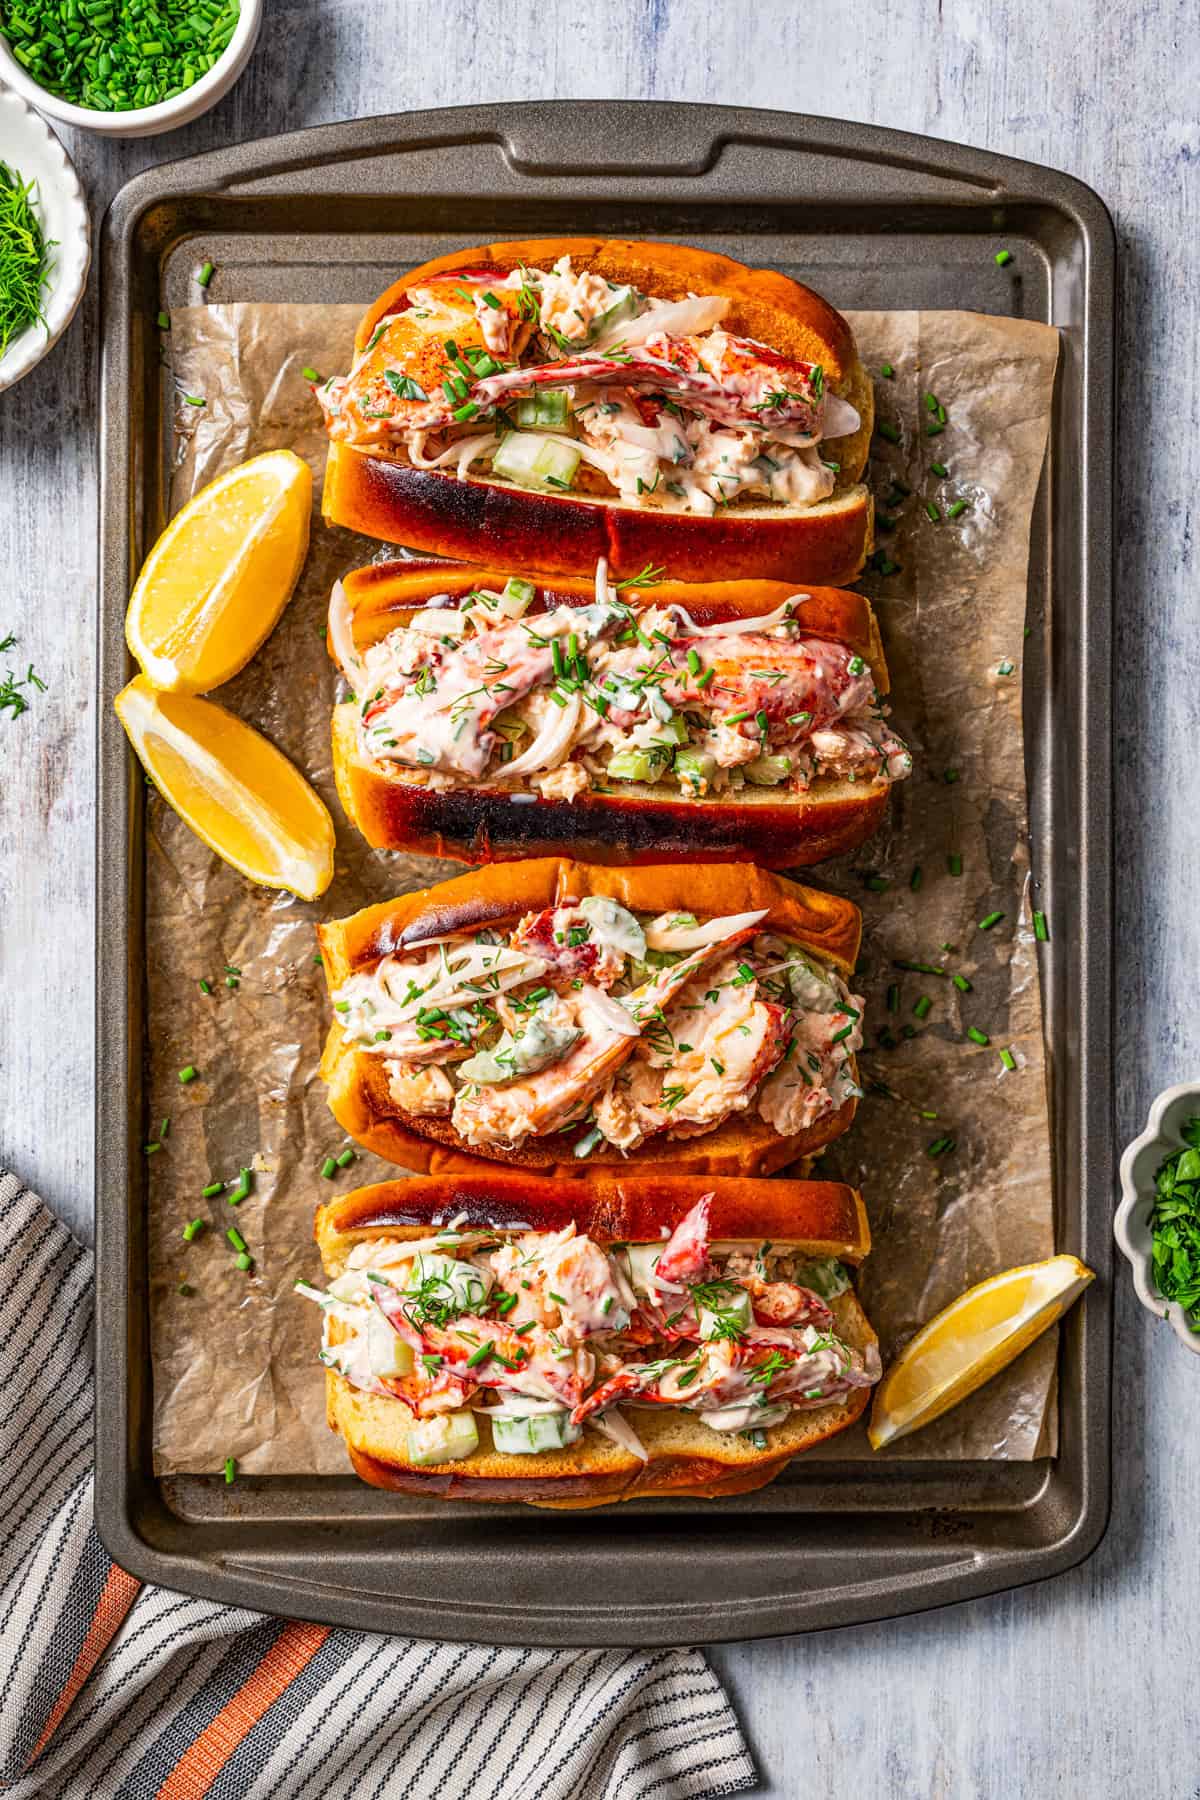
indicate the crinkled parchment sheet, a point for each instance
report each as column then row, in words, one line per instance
column 235, row 1369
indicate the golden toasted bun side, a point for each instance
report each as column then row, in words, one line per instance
column 823, row 1218
column 497, row 896
column 427, row 509
column 639, row 823
column 686, row 1458
column 386, row 498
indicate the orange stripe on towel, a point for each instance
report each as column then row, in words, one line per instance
column 203, row 1761
column 116, row 1597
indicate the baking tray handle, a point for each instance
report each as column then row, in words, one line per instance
column 626, row 138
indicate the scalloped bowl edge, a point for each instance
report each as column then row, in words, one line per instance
column 1131, row 1225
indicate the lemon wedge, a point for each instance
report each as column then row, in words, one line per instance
column 215, row 583
column 971, row 1340
column 236, row 790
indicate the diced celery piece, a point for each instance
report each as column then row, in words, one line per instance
column 388, row 1355
column 546, row 407
column 447, row 1438
column 768, row 771
column 525, row 1436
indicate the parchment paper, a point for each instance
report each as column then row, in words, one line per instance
column 235, row 1369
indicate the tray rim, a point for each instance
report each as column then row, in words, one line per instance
column 118, row 1291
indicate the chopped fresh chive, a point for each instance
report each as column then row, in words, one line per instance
column 939, row 1146
column 978, row 1037
column 1041, row 929
column 917, row 968
column 950, row 776
column 702, row 681
column 877, row 884
column 480, row 1355
column 923, row 1007
column 192, row 1230
column 309, row 373
column 163, row 321
column 889, row 432
column 1005, row 668
column 887, row 371
column 243, row 1260
column 939, row 469
column 151, row 1149
column 194, row 400
column 960, row 506
column 345, row 1159
column 693, row 663
column 205, row 987
column 188, row 1074
column 993, row 918
column 935, row 430
column 236, row 1239
column 329, row 1168
column 914, row 880
column 205, row 275
column 212, row 1190
column 186, row 1289
column 954, row 864
column 961, row 983
column 735, row 718
column 1008, row 1059
column 1003, row 258
column 230, row 1468
column 855, row 666
column 893, row 997
column 933, row 512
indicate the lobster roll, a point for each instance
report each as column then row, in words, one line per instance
column 495, row 716
column 548, row 403
column 496, row 1336
column 559, row 1016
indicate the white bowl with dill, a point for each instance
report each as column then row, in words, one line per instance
column 40, row 198
column 1157, row 1225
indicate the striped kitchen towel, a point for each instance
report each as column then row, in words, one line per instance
column 113, row 1690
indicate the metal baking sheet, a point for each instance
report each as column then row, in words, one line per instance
column 874, row 219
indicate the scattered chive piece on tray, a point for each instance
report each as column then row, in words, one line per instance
column 962, row 984
column 1003, row 258
column 329, row 1168
column 192, row 1230
column 923, row 1007
column 163, row 321
column 345, row 1159
column 1041, row 929
column 213, row 1188
column 188, row 1073
column 230, row 1468
column 887, row 431
column 954, row 864
column 1008, row 1059
column 206, row 274
column 940, row 1146
column 993, row 918
column 978, row 1037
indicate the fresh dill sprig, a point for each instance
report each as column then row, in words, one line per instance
column 25, row 259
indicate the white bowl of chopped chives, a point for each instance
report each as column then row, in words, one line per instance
column 126, row 74
column 1157, row 1226
column 45, row 239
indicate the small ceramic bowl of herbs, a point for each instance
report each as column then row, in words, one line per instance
column 1158, row 1221
column 45, row 239
column 126, row 68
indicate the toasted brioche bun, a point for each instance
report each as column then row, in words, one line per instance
column 383, row 495
column 498, row 896
column 686, row 1458
column 395, row 810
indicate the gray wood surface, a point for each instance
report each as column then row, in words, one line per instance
column 1075, row 1686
